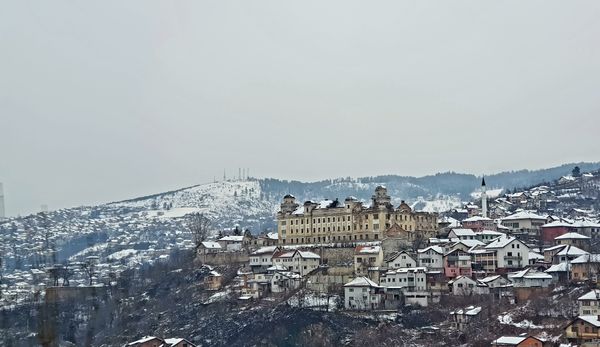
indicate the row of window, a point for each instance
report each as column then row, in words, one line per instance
column 301, row 240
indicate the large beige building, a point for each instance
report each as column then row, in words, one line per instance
column 333, row 221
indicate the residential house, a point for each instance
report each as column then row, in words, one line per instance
column 463, row 318
column 527, row 224
column 529, row 278
column 461, row 234
column 585, row 268
column 207, row 247
column 231, row 243
column 583, row 329
column 511, row 253
column 213, row 281
column 560, row 272
column 178, row 342
column 487, row 236
column 400, row 260
column 362, row 294
column 147, row 341
column 552, row 230
column 517, row 341
column 574, row 239
column 478, row 223
column 463, row 285
column 367, row 258
column 301, row 262
column 568, row 253
column 589, row 303
column 457, row 263
column 411, row 282
column 431, row 257
column 261, row 259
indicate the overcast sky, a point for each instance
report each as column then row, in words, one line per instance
column 107, row 100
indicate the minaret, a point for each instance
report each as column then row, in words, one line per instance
column 483, row 199
column 2, row 213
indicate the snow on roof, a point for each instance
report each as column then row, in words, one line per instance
column 557, row 223
column 367, row 249
column 490, row 278
column 509, row 340
column 272, row 236
column 490, row 232
column 264, row 250
column 309, row 255
column 477, row 219
column 174, row 341
column 572, row 250
column 234, row 238
column 142, row 340
column 586, row 258
column 561, row 267
column 530, row 274
column 407, row 270
column 593, row 320
column 500, row 242
column 553, row 248
column 534, row 255
column 469, row 243
column 463, row 232
column 593, row 294
column 436, row 249
column 361, row 282
column 571, row 236
column 523, row 215
column 211, row 245
column 473, row 311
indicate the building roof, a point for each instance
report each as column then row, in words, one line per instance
column 490, row 278
column 361, row 282
column 572, row 250
column 463, row 232
column 367, row 249
column 144, row 339
column 509, row 340
column 436, row 249
column 211, row 245
column 571, row 236
column 593, row 320
column 529, row 274
column 586, row 258
column 523, row 215
column 469, row 311
column 561, row 267
column 593, row 294
column 264, row 250
column 477, row 219
column 500, row 242
column 534, row 255
column 233, row 238
column 309, row 255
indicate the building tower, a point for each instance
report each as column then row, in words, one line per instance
column 2, row 212
column 483, row 199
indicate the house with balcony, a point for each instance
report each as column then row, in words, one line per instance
column 367, row 260
column 457, row 263
column 589, row 303
column 586, row 268
column 431, row 257
column 525, row 224
column 463, row 318
column 574, row 239
column 261, row 259
column 478, row 223
column 301, row 262
column 511, row 253
column 362, row 294
column 584, row 328
column 400, row 260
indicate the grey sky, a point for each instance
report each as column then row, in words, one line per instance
column 108, row 100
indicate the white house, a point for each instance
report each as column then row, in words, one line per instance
column 400, row 260
column 511, row 253
column 411, row 278
column 462, row 285
column 262, row 258
column 301, row 262
column 431, row 257
column 529, row 278
column 231, row 243
column 361, row 294
column 366, row 257
column 589, row 303
column 462, row 234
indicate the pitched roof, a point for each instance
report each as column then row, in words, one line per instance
column 523, row 215
column 593, row 294
column 572, row 250
column 309, row 255
column 463, row 232
column 367, row 249
column 593, row 320
column 500, row 242
column 436, row 249
column 571, row 236
column 234, row 238
column 509, row 340
column 586, row 258
column 361, row 282
column 211, row 245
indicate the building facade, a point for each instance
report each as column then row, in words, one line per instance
column 333, row 221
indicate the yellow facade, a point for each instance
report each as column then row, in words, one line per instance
column 348, row 221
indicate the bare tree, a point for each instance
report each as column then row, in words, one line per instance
column 89, row 267
column 199, row 225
